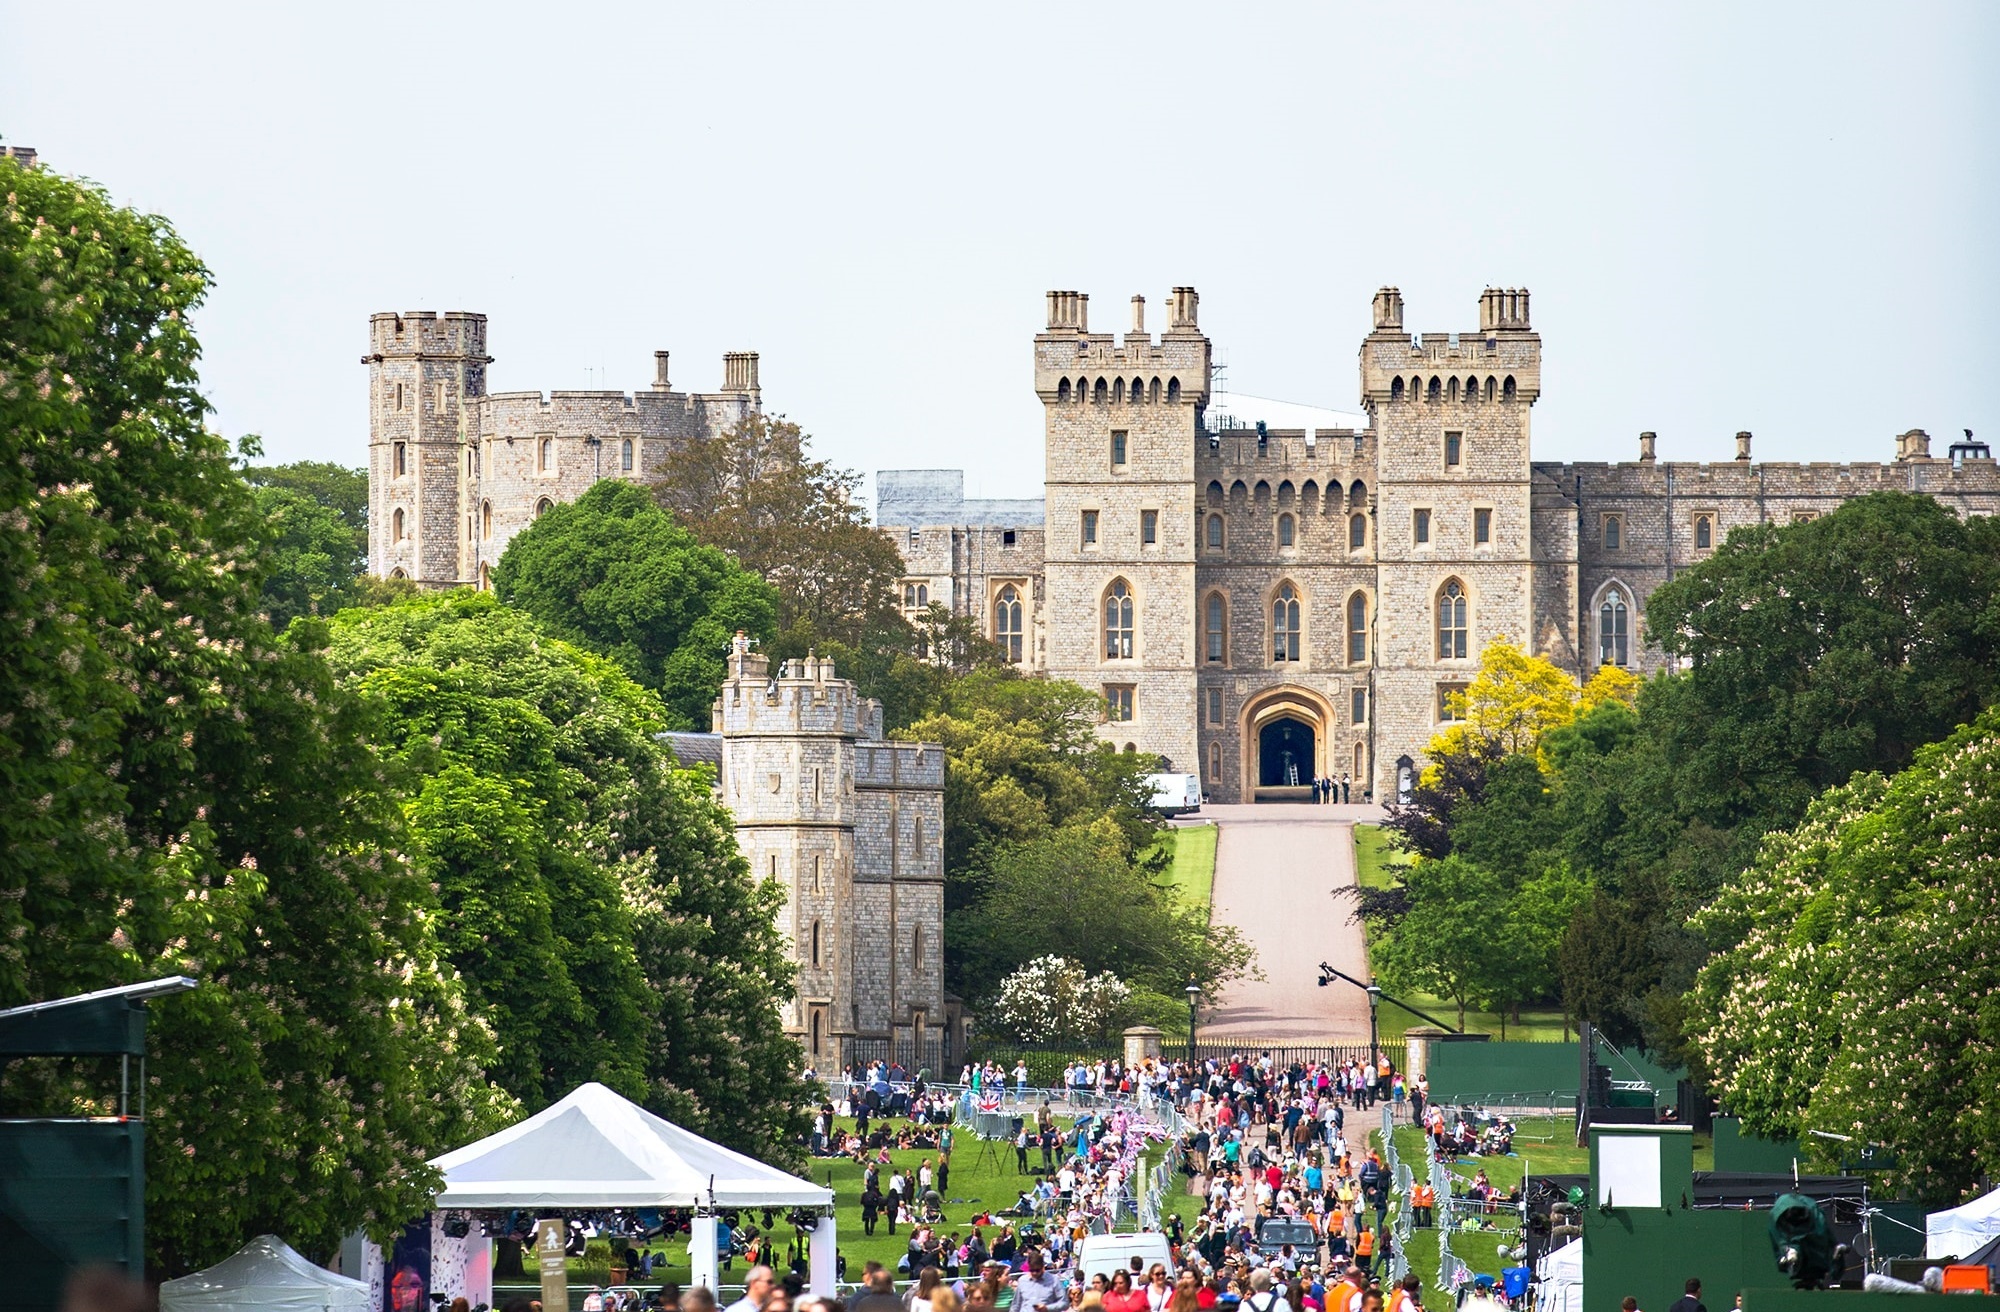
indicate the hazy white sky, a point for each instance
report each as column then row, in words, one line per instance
column 1774, row 217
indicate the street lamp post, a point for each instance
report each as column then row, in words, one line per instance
column 1374, row 1027
column 1194, row 1003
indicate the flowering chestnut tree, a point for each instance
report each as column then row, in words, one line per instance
column 1858, row 989
column 1053, row 1000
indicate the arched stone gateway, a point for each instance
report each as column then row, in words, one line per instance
column 1284, row 744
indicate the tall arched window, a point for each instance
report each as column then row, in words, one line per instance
column 1704, row 532
column 396, row 527
column 1062, row 392
column 545, row 454
column 917, row 947
column 543, row 507
column 1215, row 629
column 1612, row 629
column 1357, row 496
column 1118, row 623
column 1100, row 392
column 1357, row 628
column 1007, row 623
column 1285, row 624
column 1453, row 629
column 625, row 455
column 1396, row 389
column 815, row 957
column 1173, row 391
column 1357, row 532
column 1507, row 389
column 1287, row 531
column 1215, row 532
column 486, row 519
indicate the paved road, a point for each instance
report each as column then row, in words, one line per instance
column 1276, row 869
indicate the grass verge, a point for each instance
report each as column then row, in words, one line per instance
column 1192, row 874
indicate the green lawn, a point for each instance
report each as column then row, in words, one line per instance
column 1192, row 874
column 979, row 1182
column 1375, row 862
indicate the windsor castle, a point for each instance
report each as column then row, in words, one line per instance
column 1261, row 599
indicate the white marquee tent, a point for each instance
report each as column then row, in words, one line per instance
column 595, row 1149
column 1962, row 1229
column 264, row 1275
column 1561, row 1276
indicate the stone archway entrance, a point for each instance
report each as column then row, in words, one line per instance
column 1284, row 737
column 1285, row 753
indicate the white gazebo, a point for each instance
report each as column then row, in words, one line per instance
column 595, row 1149
column 1962, row 1229
column 1560, row 1277
column 264, row 1275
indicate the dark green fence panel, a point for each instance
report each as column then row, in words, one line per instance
column 72, row 1194
column 1478, row 1071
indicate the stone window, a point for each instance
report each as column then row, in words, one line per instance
column 1361, row 766
column 1357, row 532
column 485, row 519
column 1482, row 527
column 1804, row 516
column 815, row 943
column 818, row 1024
column 1454, row 449
column 1287, row 531
column 1006, row 537
column 1612, row 629
column 1215, row 706
column 625, row 455
column 1614, row 532
column 1215, row 761
column 1357, row 705
column 401, row 456
column 916, row 596
column 1285, row 625
column 1149, row 528
column 1453, row 622
column 818, row 883
column 1396, row 388
column 1173, row 391
column 917, row 958
column 1062, row 392
column 1357, row 629
column 396, row 526
column 1215, row 629
column 1451, row 703
column 1007, row 623
column 543, row 507
column 1090, row 528
column 399, row 396
column 1704, row 532
column 1117, row 448
column 1215, row 532
column 1420, row 526
column 1118, row 702
column 1118, row 621
column 443, row 402
column 545, row 455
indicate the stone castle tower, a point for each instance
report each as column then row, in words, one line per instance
column 852, row 828
column 1265, row 592
column 1120, row 426
column 454, row 472
column 1452, row 530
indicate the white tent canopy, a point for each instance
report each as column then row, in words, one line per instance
column 1962, row 1229
column 596, row 1149
column 1561, row 1276
column 264, row 1275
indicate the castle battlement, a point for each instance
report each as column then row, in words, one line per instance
column 455, row 333
column 1074, row 364
column 1243, row 450
column 899, row 765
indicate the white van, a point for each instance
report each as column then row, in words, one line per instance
column 1175, row 794
column 1107, row 1253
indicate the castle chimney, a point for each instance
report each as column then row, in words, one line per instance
column 1743, row 446
column 1182, row 312
column 660, row 383
column 1646, row 453
column 739, row 371
column 1081, row 310
column 22, row 155
column 1388, row 310
column 1138, row 316
column 1056, row 310
column 1914, row 445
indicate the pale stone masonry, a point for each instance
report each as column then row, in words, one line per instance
column 1303, row 601
column 852, row 828
column 454, row 473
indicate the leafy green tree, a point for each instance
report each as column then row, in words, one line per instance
column 595, row 902
column 309, row 560
column 1445, row 943
column 1855, row 988
column 792, row 520
column 185, row 792
column 1075, row 893
column 341, row 489
column 614, row 573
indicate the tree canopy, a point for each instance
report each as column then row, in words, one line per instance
column 614, row 573
column 594, row 899
column 1856, row 990
column 186, row 792
column 792, row 520
column 315, row 522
